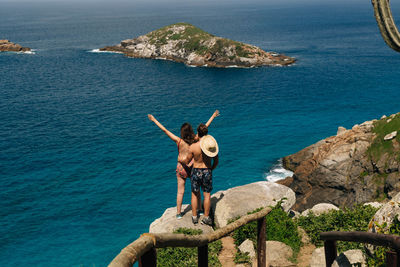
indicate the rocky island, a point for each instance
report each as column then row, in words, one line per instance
column 357, row 165
column 7, row 46
column 183, row 42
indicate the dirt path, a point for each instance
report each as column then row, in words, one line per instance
column 227, row 254
column 304, row 256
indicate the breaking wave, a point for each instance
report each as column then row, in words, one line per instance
column 277, row 172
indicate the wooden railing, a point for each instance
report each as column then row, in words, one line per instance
column 143, row 249
column 392, row 241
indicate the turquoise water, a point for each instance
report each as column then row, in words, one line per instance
column 83, row 172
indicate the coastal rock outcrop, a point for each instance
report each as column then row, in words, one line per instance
column 228, row 204
column 7, row 46
column 168, row 223
column 355, row 166
column 183, row 42
column 238, row 201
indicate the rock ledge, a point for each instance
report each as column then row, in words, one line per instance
column 7, row 46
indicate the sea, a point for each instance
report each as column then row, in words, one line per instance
column 83, row 172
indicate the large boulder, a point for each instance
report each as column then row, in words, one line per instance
column 385, row 216
column 248, row 247
column 238, row 201
column 349, row 258
column 373, row 204
column 278, row 254
column 320, row 209
column 168, row 223
column 318, row 258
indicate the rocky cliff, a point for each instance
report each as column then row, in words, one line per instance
column 183, row 42
column 355, row 166
column 6, row 45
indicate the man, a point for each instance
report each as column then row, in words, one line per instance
column 205, row 159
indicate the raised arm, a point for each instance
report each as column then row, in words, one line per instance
column 170, row 135
column 215, row 114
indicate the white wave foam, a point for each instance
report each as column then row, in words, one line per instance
column 99, row 51
column 277, row 172
column 32, row 52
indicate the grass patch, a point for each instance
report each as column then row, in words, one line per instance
column 349, row 219
column 187, row 256
column 242, row 258
column 240, row 51
column 381, row 128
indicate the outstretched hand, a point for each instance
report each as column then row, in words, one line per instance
column 216, row 113
column 151, row 117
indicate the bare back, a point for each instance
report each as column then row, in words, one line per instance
column 200, row 159
column 183, row 149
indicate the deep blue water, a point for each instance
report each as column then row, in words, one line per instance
column 82, row 170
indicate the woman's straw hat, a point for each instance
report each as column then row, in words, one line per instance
column 209, row 146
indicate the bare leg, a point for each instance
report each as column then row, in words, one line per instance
column 181, row 190
column 199, row 207
column 207, row 203
column 194, row 203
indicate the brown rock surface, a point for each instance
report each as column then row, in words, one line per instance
column 340, row 171
column 7, row 46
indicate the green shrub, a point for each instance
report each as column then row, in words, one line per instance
column 379, row 256
column 280, row 227
column 187, row 256
column 241, row 258
column 349, row 219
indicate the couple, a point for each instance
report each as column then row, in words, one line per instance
column 197, row 157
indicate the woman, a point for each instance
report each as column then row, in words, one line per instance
column 182, row 171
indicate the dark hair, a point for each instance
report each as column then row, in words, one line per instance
column 187, row 133
column 202, row 130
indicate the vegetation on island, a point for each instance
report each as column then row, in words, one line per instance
column 194, row 39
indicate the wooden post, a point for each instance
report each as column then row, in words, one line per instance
column 397, row 258
column 391, row 259
column 261, row 242
column 148, row 259
column 330, row 252
column 202, row 256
